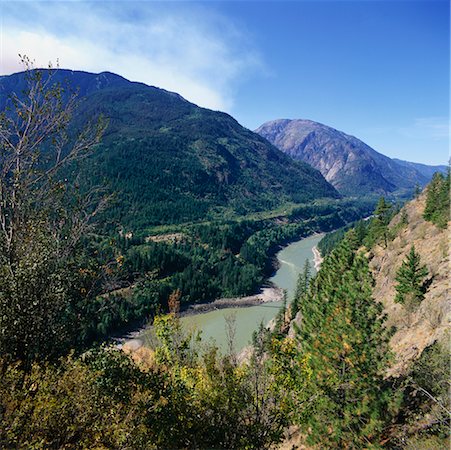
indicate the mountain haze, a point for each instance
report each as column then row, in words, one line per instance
column 350, row 165
column 170, row 161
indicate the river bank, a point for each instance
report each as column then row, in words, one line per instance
column 317, row 258
column 247, row 312
column 267, row 294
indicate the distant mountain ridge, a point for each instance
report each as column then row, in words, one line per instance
column 169, row 161
column 350, row 165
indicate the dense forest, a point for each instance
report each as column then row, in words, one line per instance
column 67, row 284
column 164, row 160
column 323, row 374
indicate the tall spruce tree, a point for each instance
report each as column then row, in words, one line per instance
column 383, row 214
column 342, row 336
column 410, row 277
column 301, row 287
column 438, row 200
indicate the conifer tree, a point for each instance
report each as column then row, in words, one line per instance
column 301, row 287
column 280, row 323
column 438, row 200
column 382, row 219
column 341, row 334
column 410, row 277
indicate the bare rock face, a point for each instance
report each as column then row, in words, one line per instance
column 417, row 329
column 350, row 165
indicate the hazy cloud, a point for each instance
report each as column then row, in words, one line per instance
column 436, row 128
column 184, row 48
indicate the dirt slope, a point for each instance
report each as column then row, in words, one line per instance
column 418, row 329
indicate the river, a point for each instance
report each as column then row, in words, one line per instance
column 246, row 320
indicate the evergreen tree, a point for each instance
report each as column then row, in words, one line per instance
column 383, row 215
column 280, row 323
column 341, row 335
column 438, row 200
column 410, row 277
column 301, row 287
column 378, row 227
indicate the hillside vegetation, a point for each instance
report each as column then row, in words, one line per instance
column 329, row 374
column 162, row 166
column 415, row 329
column 169, row 161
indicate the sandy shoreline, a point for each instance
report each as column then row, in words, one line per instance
column 317, row 258
column 269, row 293
column 266, row 294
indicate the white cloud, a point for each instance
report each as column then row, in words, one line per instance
column 192, row 51
column 435, row 128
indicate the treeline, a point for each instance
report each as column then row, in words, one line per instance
column 376, row 230
column 327, row 378
column 332, row 239
column 206, row 261
column 335, row 358
column 367, row 232
column 437, row 208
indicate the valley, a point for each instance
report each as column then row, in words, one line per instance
column 128, row 208
column 248, row 317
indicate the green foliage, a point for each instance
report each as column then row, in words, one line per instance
column 46, row 275
column 365, row 232
column 170, row 162
column 40, row 296
column 104, row 400
column 302, row 286
column 332, row 239
column 431, row 384
column 410, row 277
column 438, row 200
column 425, row 410
column 342, row 337
column 174, row 346
column 379, row 225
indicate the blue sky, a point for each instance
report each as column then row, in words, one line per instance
column 374, row 69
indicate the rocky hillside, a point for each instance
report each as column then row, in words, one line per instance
column 346, row 162
column 415, row 330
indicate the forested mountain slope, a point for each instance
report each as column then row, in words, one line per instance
column 419, row 327
column 373, row 328
column 169, row 161
column 353, row 167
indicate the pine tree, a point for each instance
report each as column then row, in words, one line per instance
column 378, row 226
column 410, row 277
column 280, row 323
column 383, row 215
column 438, row 200
column 301, row 287
column 342, row 336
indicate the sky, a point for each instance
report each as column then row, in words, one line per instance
column 378, row 70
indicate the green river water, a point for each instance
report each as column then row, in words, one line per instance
column 213, row 323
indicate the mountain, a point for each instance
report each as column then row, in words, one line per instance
column 425, row 170
column 349, row 164
column 170, row 161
